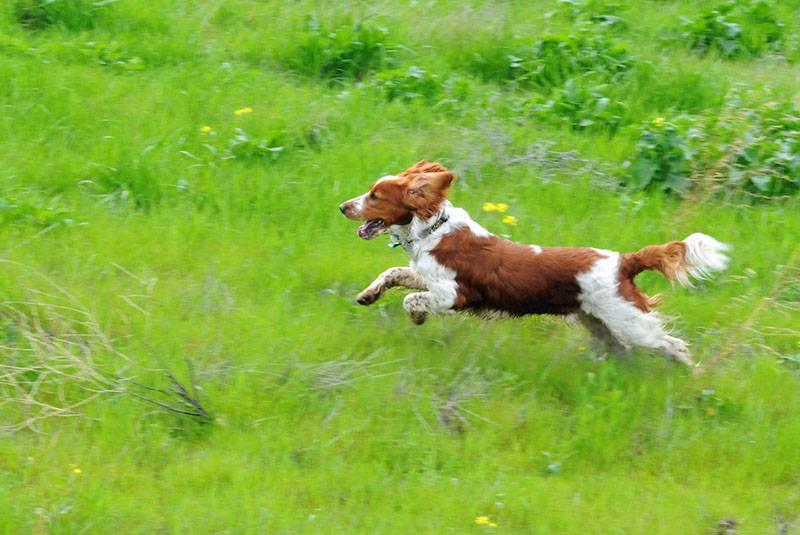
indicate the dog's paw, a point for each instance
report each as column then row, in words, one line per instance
column 367, row 297
column 418, row 317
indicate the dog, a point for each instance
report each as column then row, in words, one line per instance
column 457, row 265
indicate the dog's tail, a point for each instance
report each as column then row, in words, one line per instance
column 698, row 256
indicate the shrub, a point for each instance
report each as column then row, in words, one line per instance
column 70, row 14
column 664, row 156
column 551, row 61
column 595, row 12
column 349, row 51
column 581, row 105
column 758, row 149
column 751, row 149
column 130, row 183
column 417, row 85
column 734, row 29
column 244, row 147
column 32, row 211
column 412, row 84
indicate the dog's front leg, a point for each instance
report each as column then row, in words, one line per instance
column 419, row 304
column 396, row 276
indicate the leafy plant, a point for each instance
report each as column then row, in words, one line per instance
column 747, row 148
column 663, row 156
column 351, row 50
column 759, row 148
column 595, row 12
column 551, row 61
column 734, row 29
column 242, row 146
column 70, row 14
column 418, row 85
column 582, row 105
column 131, row 183
column 32, row 211
column 412, row 84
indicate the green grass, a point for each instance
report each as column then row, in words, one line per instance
column 231, row 266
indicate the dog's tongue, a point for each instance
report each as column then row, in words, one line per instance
column 368, row 230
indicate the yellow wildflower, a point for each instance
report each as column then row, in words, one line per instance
column 501, row 207
column 482, row 520
column 77, row 471
column 242, row 111
column 489, row 207
column 510, row 220
column 205, row 129
column 492, row 525
column 658, row 122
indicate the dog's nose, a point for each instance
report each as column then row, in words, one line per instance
column 342, row 207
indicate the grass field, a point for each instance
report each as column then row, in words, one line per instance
column 170, row 173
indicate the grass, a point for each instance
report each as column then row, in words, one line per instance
column 229, row 265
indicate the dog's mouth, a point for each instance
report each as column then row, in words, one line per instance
column 371, row 228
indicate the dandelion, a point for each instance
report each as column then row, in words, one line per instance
column 658, row 122
column 482, row 520
column 510, row 220
column 77, row 471
column 242, row 111
column 495, row 207
column 205, row 129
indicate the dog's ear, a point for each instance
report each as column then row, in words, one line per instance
column 424, row 166
column 426, row 191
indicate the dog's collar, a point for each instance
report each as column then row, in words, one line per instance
column 424, row 233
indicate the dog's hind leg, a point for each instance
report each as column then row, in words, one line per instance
column 392, row 277
column 602, row 334
column 645, row 329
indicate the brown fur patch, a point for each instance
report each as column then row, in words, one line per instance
column 493, row 273
column 668, row 259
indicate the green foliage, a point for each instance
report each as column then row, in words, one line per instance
column 32, row 211
column 734, row 29
column 70, row 14
column 552, row 60
column 663, row 156
column 411, row 84
column 753, row 148
column 581, row 104
column 242, row 146
column 757, row 147
column 132, row 183
column 414, row 84
column 598, row 13
column 348, row 51
column 212, row 254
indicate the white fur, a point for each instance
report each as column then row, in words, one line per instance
column 600, row 298
column 358, row 204
column 704, row 255
column 536, row 249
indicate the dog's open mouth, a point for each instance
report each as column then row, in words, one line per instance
column 371, row 228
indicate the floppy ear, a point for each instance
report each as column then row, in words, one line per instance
column 426, row 192
column 425, row 166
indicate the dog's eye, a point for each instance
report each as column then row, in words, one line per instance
column 372, row 196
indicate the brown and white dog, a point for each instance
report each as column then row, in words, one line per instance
column 458, row 265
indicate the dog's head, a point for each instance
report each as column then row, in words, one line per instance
column 395, row 199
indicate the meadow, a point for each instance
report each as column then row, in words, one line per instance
column 170, row 173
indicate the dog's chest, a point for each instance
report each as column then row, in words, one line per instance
column 431, row 270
